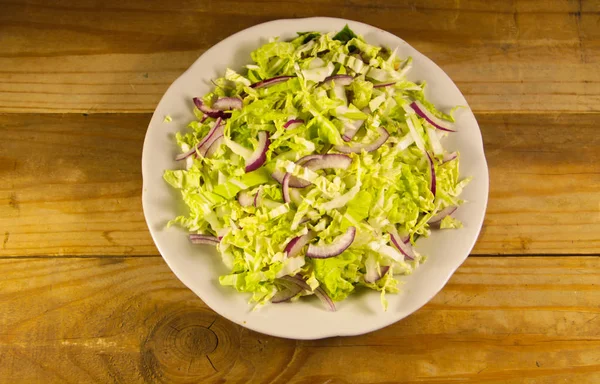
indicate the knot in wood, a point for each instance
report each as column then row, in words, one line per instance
column 194, row 340
column 184, row 344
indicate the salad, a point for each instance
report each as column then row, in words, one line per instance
column 315, row 170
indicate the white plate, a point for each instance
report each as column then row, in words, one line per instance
column 199, row 267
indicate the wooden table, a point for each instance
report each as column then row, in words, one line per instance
column 85, row 296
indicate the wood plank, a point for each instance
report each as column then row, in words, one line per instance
column 499, row 320
column 79, row 194
column 121, row 56
column 71, row 185
column 544, row 184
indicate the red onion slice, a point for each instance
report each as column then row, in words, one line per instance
column 293, row 248
column 384, row 270
column 257, row 198
column 285, row 187
column 405, row 248
column 339, row 79
column 203, row 239
column 382, row 85
column 227, row 104
column 352, row 128
column 271, row 81
column 214, row 131
column 330, row 250
column 294, row 181
column 298, row 281
column 215, row 113
column 258, row 157
column 429, row 117
column 218, row 134
column 405, row 238
column 183, row 156
column 437, row 218
column 294, row 123
column 325, row 299
column 245, row 199
column 319, row 292
column 449, row 157
column 368, row 147
column 289, row 291
column 431, row 174
column 305, row 159
column 316, row 162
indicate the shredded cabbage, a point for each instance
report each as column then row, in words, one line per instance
column 385, row 190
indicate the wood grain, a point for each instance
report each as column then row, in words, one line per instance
column 121, row 56
column 71, row 185
column 499, row 320
column 544, row 184
column 84, row 298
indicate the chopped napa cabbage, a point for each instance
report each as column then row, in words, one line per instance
column 306, row 112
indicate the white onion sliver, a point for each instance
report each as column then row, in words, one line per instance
column 449, row 157
column 245, row 199
column 340, row 93
column 329, row 161
column 436, row 146
column 278, row 175
column 374, row 271
column 422, row 111
column 405, row 142
column 372, row 274
column 416, row 137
